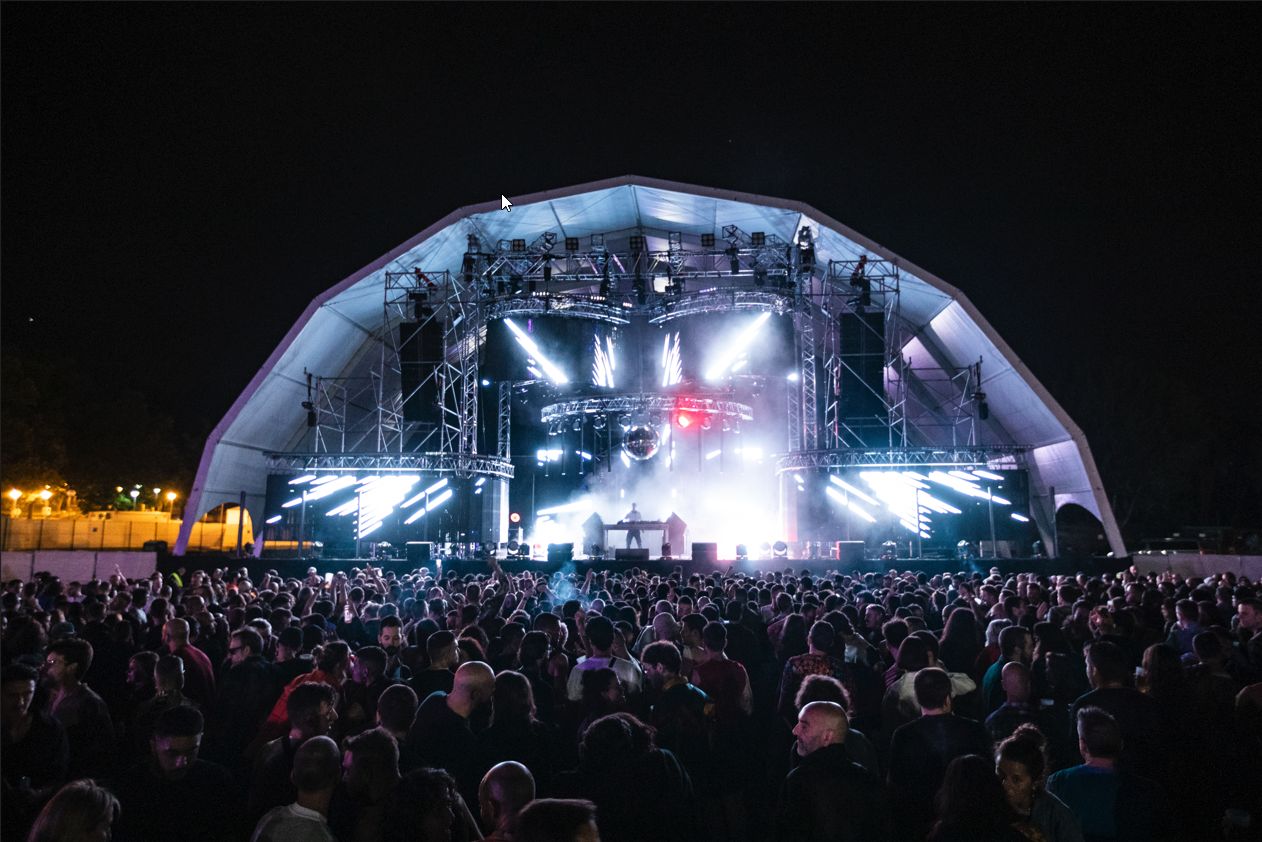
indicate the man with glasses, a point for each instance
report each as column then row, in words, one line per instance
column 80, row 711
column 248, row 688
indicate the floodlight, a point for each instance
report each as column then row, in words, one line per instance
column 707, row 241
column 758, row 239
column 737, row 347
column 571, row 244
column 518, row 245
column 637, row 242
column 554, row 374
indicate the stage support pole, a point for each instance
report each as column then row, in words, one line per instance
column 240, row 524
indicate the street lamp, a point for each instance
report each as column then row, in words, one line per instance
column 134, row 493
column 15, row 496
column 171, row 495
column 45, row 496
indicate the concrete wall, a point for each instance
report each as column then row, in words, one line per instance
column 119, row 533
column 1201, row 565
column 77, row 565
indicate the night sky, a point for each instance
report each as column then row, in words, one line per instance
column 180, row 181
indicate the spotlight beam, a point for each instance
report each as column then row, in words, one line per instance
column 738, row 347
column 531, row 347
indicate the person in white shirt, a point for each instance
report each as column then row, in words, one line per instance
column 633, row 516
column 317, row 772
column 600, row 634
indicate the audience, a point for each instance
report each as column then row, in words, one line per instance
column 627, row 705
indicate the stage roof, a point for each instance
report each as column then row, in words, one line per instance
column 338, row 330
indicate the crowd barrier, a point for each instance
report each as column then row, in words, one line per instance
column 77, row 565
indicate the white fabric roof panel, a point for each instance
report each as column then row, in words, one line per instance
column 333, row 333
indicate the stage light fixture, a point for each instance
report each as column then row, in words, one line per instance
column 780, row 549
column 571, row 244
column 599, row 422
column 684, row 420
column 742, row 552
column 578, row 424
column 518, row 246
column 707, row 240
column 727, row 426
column 758, row 239
column 637, row 242
column 706, row 423
column 624, row 421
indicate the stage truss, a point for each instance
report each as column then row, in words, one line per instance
column 359, row 421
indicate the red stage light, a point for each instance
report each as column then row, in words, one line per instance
column 684, row 420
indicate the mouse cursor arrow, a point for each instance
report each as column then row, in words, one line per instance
column 504, row 203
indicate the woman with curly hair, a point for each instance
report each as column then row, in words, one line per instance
column 1021, row 764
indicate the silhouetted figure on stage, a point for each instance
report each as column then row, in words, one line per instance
column 633, row 516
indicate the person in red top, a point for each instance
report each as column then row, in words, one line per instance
column 199, row 675
column 723, row 680
column 333, row 668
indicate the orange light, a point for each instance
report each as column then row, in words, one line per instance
column 514, row 517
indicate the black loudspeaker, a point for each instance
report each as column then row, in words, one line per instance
column 705, row 552
column 862, row 376
column 420, row 353
column 628, row 554
column 419, row 552
column 560, row 553
column 849, row 552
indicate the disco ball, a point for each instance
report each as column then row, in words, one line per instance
column 641, row 443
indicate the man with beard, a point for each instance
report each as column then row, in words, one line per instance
column 441, row 735
column 174, row 794
column 370, row 774
column 390, row 638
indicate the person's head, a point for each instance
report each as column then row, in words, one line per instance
column 1021, row 764
column 175, row 633
column 1016, row 644
column 335, row 659
column 820, row 724
column 714, row 638
column 244, row 643
column 317, row 767
column 473, row 687
column 312, row 709
column 505, row 789
column 665, row 627
column 513, row 698
column 370, row 664
column 81, row 811
column 1249, row 615
column 914, row 654
column 67, row 662
column 821, row 637
column 613, row 741
column 396, row 708
column 1099, row 735
column 441, row 649
column 1187, row 611
column 602, row 690
column 390, row 638
column 422, row 806
column 558, row 820
column 662, row 662
column 168, row 674
column 1107, row 665
column 821, row 688
column 600, row 632
column 1015, row 678
column 971, row 801
column 288, row 643
column 176, row 740
column 1208, row 648
column 140, row 669
column 933, row 691
column 370, row 765
column 17, row 691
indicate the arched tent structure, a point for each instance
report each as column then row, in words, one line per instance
column 341, row 328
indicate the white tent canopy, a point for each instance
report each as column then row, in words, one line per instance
column 337, row 330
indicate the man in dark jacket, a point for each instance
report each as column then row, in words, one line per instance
column 921, row 750
column 828, row 796
column 248, row 688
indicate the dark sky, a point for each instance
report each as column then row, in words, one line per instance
column 179, row 181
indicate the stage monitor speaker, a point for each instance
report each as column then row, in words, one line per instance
column 420, row 354
column 849, row 552
column 628, row 554
column 419, row 552
column 560, row 553
column 705, row 552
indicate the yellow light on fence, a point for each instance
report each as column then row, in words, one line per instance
column 15, row 495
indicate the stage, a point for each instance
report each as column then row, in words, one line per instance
column 297, row 567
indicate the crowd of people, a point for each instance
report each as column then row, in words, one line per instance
column 369, row 706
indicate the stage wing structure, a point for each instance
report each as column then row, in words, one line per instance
column 947, row 364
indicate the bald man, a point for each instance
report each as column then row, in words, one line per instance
column 828, row 796
column 442, row 735
column 199, row 675
column 505, row 789
column 316, row 774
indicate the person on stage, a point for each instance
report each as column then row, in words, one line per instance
column 633, row 516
